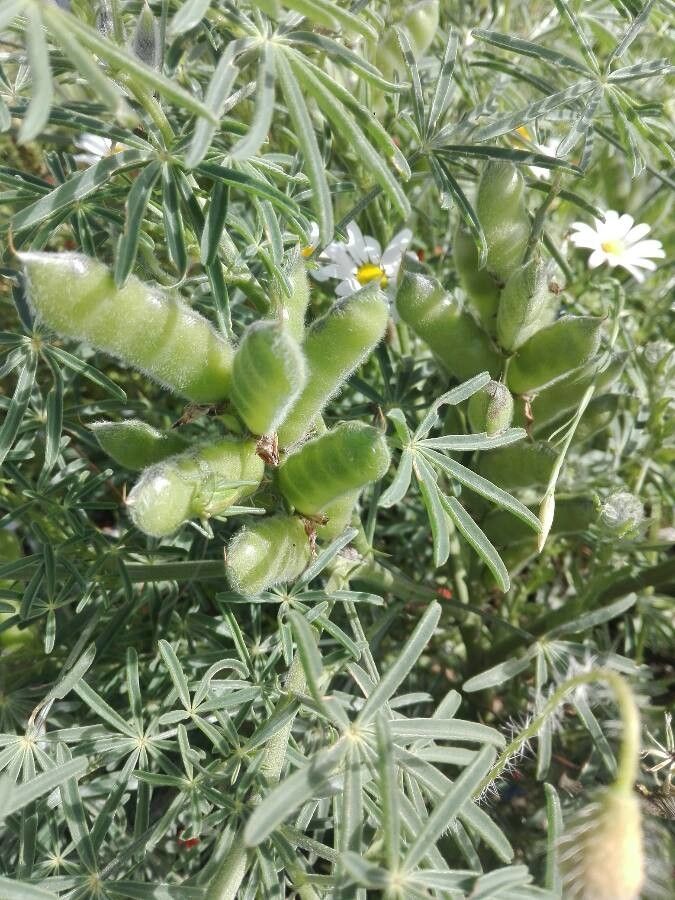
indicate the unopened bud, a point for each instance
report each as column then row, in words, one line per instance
column 491, row 408
column 622, row 513
column 546, row 514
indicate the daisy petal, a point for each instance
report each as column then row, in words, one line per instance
column 637, row 233
column 597, row 258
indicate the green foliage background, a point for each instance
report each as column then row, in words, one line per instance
column 162, row 736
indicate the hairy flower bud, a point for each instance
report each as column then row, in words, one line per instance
column 622, row 513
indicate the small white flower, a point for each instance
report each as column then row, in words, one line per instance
column 95, row 148
column 618, row 242
column 548, row 149
column 361, row 260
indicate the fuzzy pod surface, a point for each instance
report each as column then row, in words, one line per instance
column 334, row 347
column 291, row 309
column 500, row 204
column 525, row 305
column 338, row 516
column 491, row 408
column 172, row 344
column 268, row 375
column 135, row 444
column 549, row 354
column 519, row 465
column 481, row 289
column 343, row 460
column 452, row 334
column 266, row 553
column 194, row 484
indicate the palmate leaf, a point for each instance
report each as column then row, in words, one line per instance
column 43, row 92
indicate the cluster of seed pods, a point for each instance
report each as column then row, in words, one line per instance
column 276, row 381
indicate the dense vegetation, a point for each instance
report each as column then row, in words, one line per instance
column 336, row 439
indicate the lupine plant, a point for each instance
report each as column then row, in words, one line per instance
column 328, row 570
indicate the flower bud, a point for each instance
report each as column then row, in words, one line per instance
column 546, row 515
column 267, row 553
column 601, row 856
column 622, row 513
column 491, row 408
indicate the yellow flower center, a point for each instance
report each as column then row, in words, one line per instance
column 369, row 272
column 524, row 133
column 307, row 251
column 614, row 247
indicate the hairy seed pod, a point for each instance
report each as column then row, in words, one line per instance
column 268, row 375
column 76, row 296
column 491, row 408
column 338, row 516
column 291, row 309
column 518, row 465
column 266, row 553
column 334, row 347
column 525, row 305
column 135, row 444
column 552, row 352
column 551, row 404
column 346, row 458
column 501, row 209
column 601, row 856
column 482, row 291
column 453, row 335
column 198, row 483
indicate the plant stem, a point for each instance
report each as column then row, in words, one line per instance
column 630, row 719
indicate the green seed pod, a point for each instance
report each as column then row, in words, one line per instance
column 501, row 209
column 198, row 483
column 453, row 335
column 268, row 375
column 292, row 309
column 551, row 404
column 525, row 305
column 334, row 347
column 344, row 459
column 491, row 408
column 596, row 418
column 338, row 516
column 552, row 352
column 421, row 24
column 481, row 290
column 518, row 465
column 266, row 553
column 76, row 296
column 136, row 445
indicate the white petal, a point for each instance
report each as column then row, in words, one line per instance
column 636, row 273
column 597, row 258
column 396, row 248
column 625, row 224
column 638, row 262
column 373, row 250
column 355, row 245
column 324, row 273
column 611, row 218
column 648, row 248
column 590, row 241
column 637, row 233
column 347, row 287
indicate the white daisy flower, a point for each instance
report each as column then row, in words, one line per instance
column 95, row 148
column 361, row 260
column 618, row 242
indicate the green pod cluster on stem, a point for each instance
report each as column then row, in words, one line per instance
column 501, row 209
column 452, row 334
column 553, row 351
column 343, row 460
column 267, row 552
column 525, row 305
column 481, row 289
column 519, row 465
column 334, row 347
column 268, row 375
column 291, row 309
column 196, row 484
column 491, row 408
column 135, row 444
column 172, row 344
